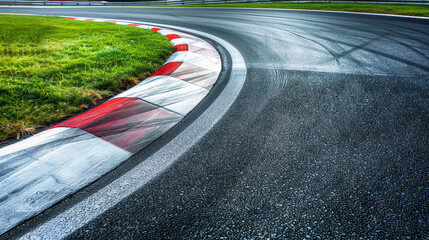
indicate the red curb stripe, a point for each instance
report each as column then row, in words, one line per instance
column 129, row 123
column 172, row 36
column 167, row 69
column 181, row 48
column 134, row 25
column 94, row 114
column 135, row 132
column 156, row 29
column 89, row 20
column 72, row 18
column 110, row 21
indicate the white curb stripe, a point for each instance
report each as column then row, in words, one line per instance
column 173, row 94
column 201, row 44
column 195, row 75
column 50, row 173
column 197, row 60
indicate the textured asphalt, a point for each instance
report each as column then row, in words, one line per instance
column 329, row 137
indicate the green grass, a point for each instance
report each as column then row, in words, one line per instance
column 414, row 10
column 52, row 67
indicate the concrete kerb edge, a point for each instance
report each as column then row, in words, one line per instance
column 84, row 211
column 121, row 157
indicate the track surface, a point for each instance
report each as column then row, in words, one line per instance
column 328, row 138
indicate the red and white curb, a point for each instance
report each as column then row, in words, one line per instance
column 39, row 171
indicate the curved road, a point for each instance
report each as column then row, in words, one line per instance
column 329, row 137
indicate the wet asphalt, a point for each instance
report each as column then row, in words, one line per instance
column 329, row 137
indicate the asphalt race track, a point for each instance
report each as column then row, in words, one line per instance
column 328, row 138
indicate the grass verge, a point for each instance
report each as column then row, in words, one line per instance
column 52, row 67
column 413, row 10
